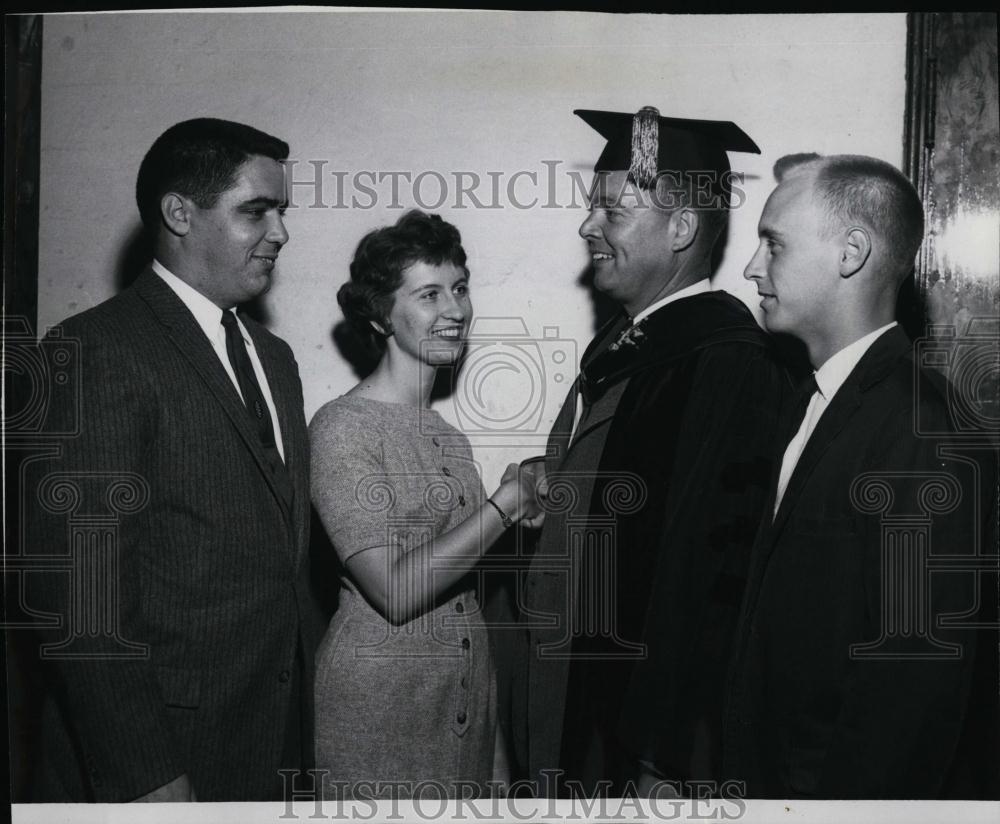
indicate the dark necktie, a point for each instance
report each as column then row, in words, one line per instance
column 803, row 394
column 236, row 348
column 256, row 406
column 794, row 419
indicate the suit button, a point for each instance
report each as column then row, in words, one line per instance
column 460, row 718
column 446, row 471
column 466, row 643
column 285, row 676
column 459, row 607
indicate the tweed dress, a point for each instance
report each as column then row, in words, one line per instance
column 415, row 702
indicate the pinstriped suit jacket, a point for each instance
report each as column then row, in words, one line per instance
column 183, row 665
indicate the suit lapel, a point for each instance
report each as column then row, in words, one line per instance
column 836, row 416
column 185, row 334
column 597, row 413
column 876, row 363
column 280, row 392
column 593, row 413
column 562, row 429
column 559, row 440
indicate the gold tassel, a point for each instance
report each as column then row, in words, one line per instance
column 645, row 147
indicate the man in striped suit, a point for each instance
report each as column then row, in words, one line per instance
column 178, row 660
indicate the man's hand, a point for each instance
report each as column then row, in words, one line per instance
column 533, row 470
column 180, row 789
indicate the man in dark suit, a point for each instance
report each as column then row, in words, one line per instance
column 656, row 476
column 177, row 661
column 856, row 648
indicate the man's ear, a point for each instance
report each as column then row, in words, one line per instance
column 176, row 211
column 855, row 252
column 685, row 223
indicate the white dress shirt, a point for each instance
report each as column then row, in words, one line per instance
column 829, row 378
column 209, row 318
column 703, row 285
column 696, row 288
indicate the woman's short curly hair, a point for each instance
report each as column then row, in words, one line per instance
column 380, row 260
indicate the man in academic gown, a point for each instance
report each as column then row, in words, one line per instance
column 655, row 476
column 177, row 659
column 857, row 668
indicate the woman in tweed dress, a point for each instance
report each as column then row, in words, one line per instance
column 405, row 686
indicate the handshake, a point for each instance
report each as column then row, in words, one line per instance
column 527, row 483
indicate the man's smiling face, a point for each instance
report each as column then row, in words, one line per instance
column 629, row 237
column 232, row 246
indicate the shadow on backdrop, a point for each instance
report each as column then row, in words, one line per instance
column 135, row 255
column 911, row 309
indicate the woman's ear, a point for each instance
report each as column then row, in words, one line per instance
column 384, row 329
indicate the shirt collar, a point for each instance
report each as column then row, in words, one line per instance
column 206, row 313
column 695, row 288
column 832, row 374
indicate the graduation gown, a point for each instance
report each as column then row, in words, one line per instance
column 632, row 593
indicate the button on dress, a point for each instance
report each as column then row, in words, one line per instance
column 415, row 702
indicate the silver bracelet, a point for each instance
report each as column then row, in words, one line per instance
column 507, row 522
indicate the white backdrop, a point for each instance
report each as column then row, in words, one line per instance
column 440, row 93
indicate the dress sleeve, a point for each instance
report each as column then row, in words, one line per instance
column 351, row 490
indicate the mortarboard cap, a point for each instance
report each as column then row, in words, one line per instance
column 645, row 144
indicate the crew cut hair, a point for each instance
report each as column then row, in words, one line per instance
column 866, row 191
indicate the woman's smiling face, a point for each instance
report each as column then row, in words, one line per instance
column 431, row 313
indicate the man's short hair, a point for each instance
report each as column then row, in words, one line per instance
column 198, row 159
column 788, row 163
column 712, row 220
column 856, row 189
